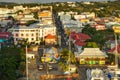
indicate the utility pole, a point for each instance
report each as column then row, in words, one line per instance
column 69, row 52
column 116, row 58
column 116, row 31
column 26, row 64
column 0, row 46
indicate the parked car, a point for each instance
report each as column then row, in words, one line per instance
column 50, row 67
column 40, row 67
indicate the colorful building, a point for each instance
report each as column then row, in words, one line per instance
column 92, row 56
column 50, row 39
column 5, row 38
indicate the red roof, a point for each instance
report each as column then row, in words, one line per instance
column 4, row 34
column 72, row 35
column 49, row 36
column 113, row 49
column 79, row 38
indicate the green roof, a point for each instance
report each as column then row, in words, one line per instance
column 116, row 25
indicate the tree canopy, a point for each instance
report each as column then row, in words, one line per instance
column 10, row 62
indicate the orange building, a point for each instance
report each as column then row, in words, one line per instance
column 44, row 14
column 50, row 39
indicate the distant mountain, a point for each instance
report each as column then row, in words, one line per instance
column 7, row 3
column 48, row 1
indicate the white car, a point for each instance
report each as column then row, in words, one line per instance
column 40, row 67
column 50, row 67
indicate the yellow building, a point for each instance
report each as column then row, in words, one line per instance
column 44, row 14
column 84, row 20
column 92, row 56
column 116, row 28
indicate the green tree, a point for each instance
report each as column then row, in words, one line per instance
column 35, row 15
column 7, row 68
column 22, row 68
column 91, row 45
column 11, row 57
column 96, row 36
column 19, row 11
column 30, row 22
column 66, row 58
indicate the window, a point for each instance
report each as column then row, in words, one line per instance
column 16, row 39
column 27, row 30
column 32, row 39
column 36, row 34
column 32, row 34
column 22, row 34
column 32, row 30
column 16, row 34
column 27, row 39
column 16, row 30
column 27, row 35
column 22, row 31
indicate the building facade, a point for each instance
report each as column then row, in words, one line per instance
column 32, row 34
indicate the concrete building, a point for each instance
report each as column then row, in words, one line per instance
column 33, row 33
column 24, row 32
column 45, row 14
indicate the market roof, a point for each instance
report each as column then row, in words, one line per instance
column 92, row 52
column 116, row 25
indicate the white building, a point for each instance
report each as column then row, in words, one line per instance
column 24, row 32
column 16, row 8
column 65, row 17
column 33, row 33
column 4, row 12
column 26, row 17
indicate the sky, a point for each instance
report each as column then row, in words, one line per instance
column 46, row 1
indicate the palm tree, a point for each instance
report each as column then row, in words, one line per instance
column 64, row 59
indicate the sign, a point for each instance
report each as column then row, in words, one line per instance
column 109, row 76
column 82, row 61
column 116, row 29
column 45, row 59
column 102, row 62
